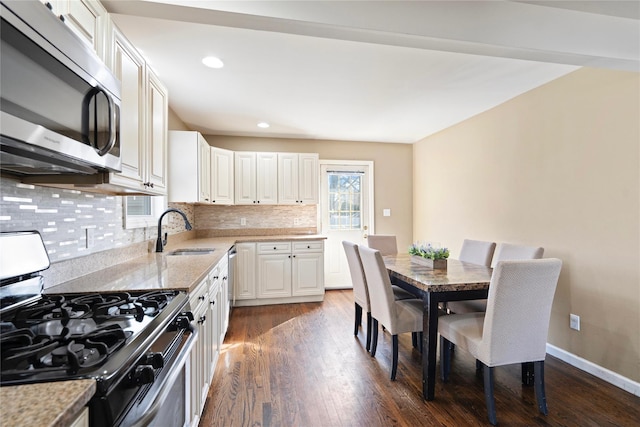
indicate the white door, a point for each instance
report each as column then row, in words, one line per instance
column 346, row 213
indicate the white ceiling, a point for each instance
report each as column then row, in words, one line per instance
column 386, row 71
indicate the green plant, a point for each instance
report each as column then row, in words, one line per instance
column 428, row 251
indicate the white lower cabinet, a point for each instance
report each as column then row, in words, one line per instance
column 244, row 281
column 210, row 320
column 198, row 367
column 285, row 272
column 82, row 420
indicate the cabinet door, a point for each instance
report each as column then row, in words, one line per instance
column 307, row 272
column 267, row 178
column 245, row 178
column 157, row 118
column 213, row 327
column 87, row 19
column 308, row 178
column 204, row 169
column 198, row 383
column 244, row 277
column 288, row 179
column 274, row 276
column 221, row 176
column 129, row 68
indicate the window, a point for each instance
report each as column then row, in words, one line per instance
column 345, row 200
column 142, row 211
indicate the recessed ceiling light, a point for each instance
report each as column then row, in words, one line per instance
column 212, row 62
column 263, row 125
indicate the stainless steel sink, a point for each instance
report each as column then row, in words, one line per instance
column 191, row 251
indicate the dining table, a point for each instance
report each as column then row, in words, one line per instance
column 458, row 281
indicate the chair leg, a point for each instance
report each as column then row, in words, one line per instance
column 374, row 338
column 488, row 394
column 394, row 365
column 420, row 337
column 445, row 358
column 414, row 339
column 527, row 373
column 538, row 379
column 358, row 320
column 368, row 331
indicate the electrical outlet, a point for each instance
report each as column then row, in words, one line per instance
column 243, row 221
column 574, row 321
column 296, row 221
column 89, row 235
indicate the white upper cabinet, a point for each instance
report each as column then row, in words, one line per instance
column 129, row 67
column 297, row 178
column 189, row 167
column 222, row 167
column 157, row 133
column 256, row 178
column 87, row 18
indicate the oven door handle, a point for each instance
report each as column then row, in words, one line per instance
column 165, row 389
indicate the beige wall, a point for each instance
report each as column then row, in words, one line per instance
column 392, row 166
column 175, row 123
column 557, row 167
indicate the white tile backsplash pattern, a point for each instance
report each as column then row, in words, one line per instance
column 63, row 216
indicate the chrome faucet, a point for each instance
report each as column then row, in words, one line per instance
column 160, row 242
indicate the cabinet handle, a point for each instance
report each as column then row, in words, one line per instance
column 201, row 297
column 202, row 319
column 212, row 302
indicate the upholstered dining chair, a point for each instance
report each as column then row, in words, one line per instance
column 477, row 252
column 387, row 245
column 397, row 316
column 503, row 252
column 361, row 290
column 513, row 329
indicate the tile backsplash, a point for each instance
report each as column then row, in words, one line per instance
column 66, row 217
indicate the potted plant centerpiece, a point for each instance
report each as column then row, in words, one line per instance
column 429, row 255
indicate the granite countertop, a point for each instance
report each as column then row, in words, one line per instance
column 156, row 271
column 54, row 404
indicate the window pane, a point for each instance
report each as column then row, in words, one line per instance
column 138, row 205
column 345, row 200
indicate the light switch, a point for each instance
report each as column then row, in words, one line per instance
column 386, row 212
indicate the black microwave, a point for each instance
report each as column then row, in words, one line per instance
column 60, row 104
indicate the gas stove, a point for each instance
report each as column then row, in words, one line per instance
column 134, row 344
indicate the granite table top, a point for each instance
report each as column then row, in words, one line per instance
column 458, row 276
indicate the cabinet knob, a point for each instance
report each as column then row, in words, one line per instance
column 274, row 248
column 201, row 297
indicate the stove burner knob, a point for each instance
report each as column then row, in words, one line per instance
column 154, row 359
column 182, row 322
column 144, row 374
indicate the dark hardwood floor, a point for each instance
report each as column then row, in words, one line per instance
column 300, row 365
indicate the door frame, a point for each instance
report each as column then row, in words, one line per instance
column 369, row 194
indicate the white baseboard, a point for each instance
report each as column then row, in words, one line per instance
column 604, row 374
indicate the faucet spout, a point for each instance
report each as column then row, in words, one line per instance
column 160, row 242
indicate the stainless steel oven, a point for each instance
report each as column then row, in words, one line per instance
column 60, row 104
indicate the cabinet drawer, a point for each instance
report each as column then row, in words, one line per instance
column 274, row 247
column 199, row 296
column 308, row 246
